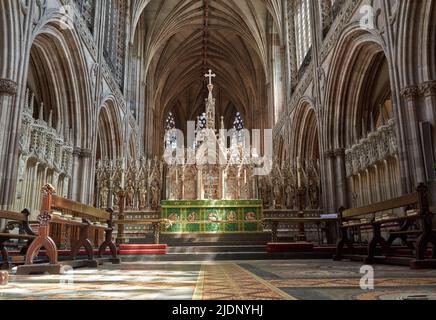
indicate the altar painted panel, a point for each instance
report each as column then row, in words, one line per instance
column 213, row 216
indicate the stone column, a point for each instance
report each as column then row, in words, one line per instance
column 81, row 174
column 341, row 179
column 330, row 179
column 428, row 91
column 8, row 90
column 413, row 137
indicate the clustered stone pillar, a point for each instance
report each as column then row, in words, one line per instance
column 341, row 181
column 413, row 139
column 8, row 89
column 329, row 157
column 82, row 169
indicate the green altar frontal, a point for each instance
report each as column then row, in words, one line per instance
column 212, row 216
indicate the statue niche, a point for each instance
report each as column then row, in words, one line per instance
column 190, row 183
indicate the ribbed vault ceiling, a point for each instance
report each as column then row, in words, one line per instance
column 184, row 38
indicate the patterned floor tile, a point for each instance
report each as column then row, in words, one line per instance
column 237, row 280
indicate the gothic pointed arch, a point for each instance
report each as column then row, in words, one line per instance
column 361, row 128
column 109, row 132
column 417, row 31
column 305, row 137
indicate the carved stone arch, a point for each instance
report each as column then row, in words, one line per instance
column 109, row 132
column 416, row 41
column 356, row 54
column 133, row 145
column 61, row 52
column 305, row 140
column 280, row 150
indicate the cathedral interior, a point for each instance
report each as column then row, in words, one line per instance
column 218, row 149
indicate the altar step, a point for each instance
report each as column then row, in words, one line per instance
column 225, row 247
column 216, row 249
column 236, row 239
column 227, row 256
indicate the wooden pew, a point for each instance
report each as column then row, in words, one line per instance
column 48, row 220
column 15, row 219
column 372, row 216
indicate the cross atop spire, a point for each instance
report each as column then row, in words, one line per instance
column 210, row 75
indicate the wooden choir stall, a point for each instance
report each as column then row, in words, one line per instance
column 407, row 219
column 71, row 226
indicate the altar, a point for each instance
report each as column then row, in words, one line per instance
column 212, row 216
column 210, row 185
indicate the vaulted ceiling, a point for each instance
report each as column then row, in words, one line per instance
column 185, row 38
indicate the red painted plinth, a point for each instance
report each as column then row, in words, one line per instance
column 143, row 249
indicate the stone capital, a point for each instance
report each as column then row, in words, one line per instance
column 410, row 93
column 340, row 152
column 82, row 153
column 329, row 154
column 8, row 87
column 428, row 89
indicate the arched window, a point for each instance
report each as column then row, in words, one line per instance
column 115, row 38
column 170, row 133
column 238, row 126
column 303, row 34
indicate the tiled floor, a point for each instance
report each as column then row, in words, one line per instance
column 247, row 280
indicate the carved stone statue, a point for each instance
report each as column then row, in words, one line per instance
column 104, row 194
column 278, row 195
column 142, row 195
column 314, row 194
column 290, row 196
column 130, row 195
column 265, row 191
column 155, row 194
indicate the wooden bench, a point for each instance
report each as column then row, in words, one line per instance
column 88, row 221
column 22, row 221
column 416, row 210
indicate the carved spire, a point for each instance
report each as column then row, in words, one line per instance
column 382, row 115
column 210, row 102
column 50, row 119
column 41, row 112
column 32, row 103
